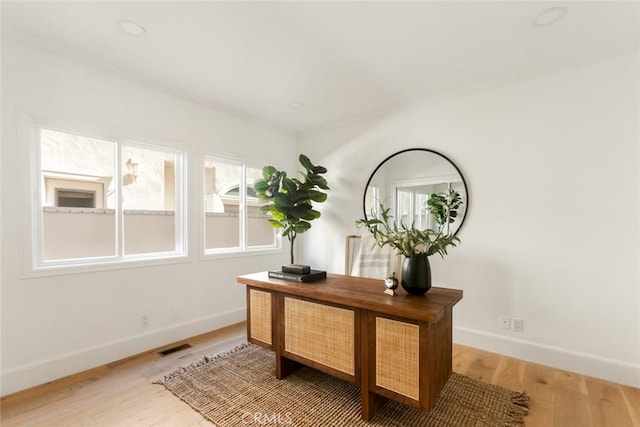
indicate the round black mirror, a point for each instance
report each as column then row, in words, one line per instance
column 404, row 181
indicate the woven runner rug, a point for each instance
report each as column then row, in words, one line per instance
column 239, row 388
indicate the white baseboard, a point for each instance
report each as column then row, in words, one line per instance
column 25, row 376
column 29, row 375
column 615, row 370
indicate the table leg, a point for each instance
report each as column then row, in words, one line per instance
column 285, row 366
column 370, row 402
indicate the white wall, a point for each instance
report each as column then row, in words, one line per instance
column 59, row 324
column 552, row 233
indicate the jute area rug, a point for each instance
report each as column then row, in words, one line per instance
column 239, row 388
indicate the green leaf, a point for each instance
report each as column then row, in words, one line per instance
column 321, row 182
column 277, row 215
column 260, row 186
column 267, row 171
column 275, row 224
column 304, row 161
column 299, row 211
column 299, row 196
column 288, row 185
column 317, row 196
column 282, row 202
column 301, row 227
column 319, row 169
column 311, row 215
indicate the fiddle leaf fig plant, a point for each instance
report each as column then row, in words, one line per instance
column 443, row 207
column 290, row 200
column 408, row 240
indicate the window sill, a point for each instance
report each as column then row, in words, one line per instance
column 89, row 267
column 214, row 255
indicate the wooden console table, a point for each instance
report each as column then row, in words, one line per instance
column 392, row 347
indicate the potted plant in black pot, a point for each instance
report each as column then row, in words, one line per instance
column 290, row 200
column 414, row 244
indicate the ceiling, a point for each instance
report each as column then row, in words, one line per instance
column 343, row 60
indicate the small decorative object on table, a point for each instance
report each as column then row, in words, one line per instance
column 391, row 283
column 296, row 268
column 311, row 276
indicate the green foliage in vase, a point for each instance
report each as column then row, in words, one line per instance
column 290, row 200
column 408, row 240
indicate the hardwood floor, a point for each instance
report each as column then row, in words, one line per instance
column 123, row 394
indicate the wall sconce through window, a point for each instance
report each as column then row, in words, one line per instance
column 131, row 176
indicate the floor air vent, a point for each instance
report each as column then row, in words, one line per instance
column 174, row 349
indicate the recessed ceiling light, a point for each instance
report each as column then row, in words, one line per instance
column 296, row 104
column 550, row 16
column 132, row 28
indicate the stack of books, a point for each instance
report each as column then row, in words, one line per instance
column 298, row 273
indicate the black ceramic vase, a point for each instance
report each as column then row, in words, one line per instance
column 416, row 274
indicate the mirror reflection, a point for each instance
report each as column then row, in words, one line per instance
column 405, row 180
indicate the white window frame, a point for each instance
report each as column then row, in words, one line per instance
column 37, row 264
column 243, row 247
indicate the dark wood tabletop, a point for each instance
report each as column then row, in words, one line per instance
column 364, row 293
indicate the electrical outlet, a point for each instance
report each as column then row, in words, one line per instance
column 518, row 325
column 144, row 321
column 505, row 322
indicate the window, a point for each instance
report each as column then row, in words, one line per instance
column 75, row 198
column 233, row 219
column 412, row 207
column 104, row 200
